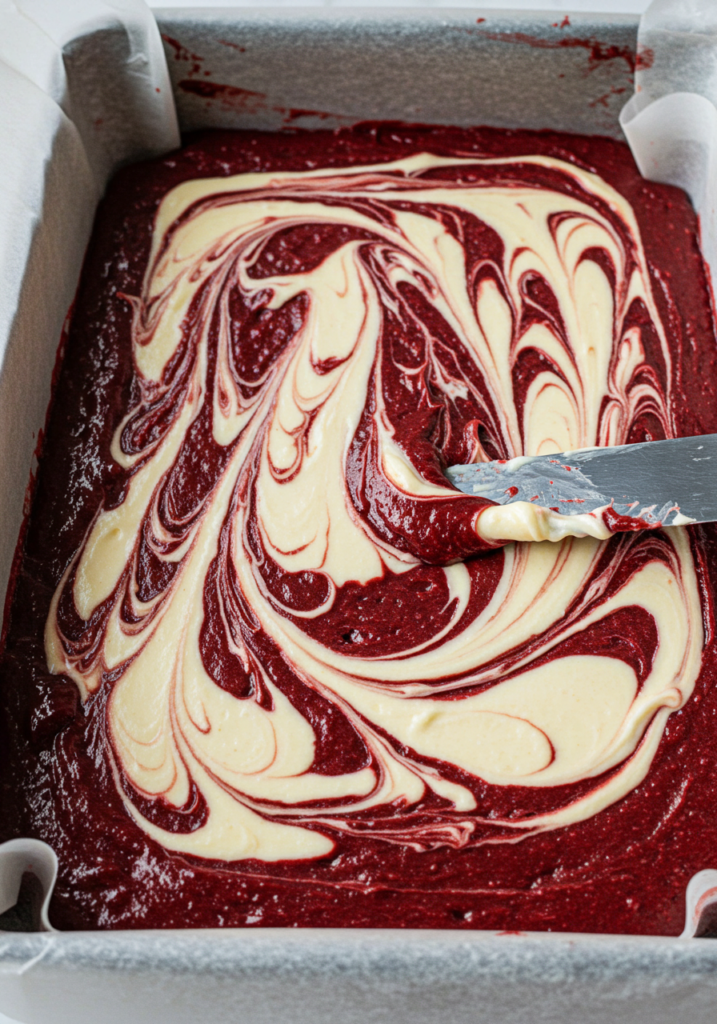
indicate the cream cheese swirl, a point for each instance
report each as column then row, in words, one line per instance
column 482, row 267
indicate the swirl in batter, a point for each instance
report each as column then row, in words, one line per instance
column 298, row 626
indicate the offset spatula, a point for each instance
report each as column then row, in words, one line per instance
column 654, row 483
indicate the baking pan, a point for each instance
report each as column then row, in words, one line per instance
column 289, row 68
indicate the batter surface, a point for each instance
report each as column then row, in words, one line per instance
column 263, row 665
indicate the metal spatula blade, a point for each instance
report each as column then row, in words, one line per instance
column 653, row 483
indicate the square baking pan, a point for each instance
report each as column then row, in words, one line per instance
column 284, row 69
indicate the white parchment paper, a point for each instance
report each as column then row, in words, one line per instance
column 84, row 87
column 671, row 121
column 18, row 856
column 119, row 100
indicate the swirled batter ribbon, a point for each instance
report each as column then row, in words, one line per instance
column 290, row 618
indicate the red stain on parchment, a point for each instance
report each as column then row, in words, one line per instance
column 234, row 46
column 604, row 100
column 247, row 101
column 182, row 53
column 597, row 52
column 294, row 113
column 231, row 95
column 644, row 58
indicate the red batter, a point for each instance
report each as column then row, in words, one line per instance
column 623, row 870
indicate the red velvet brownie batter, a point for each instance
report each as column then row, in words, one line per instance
column 261, row 667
